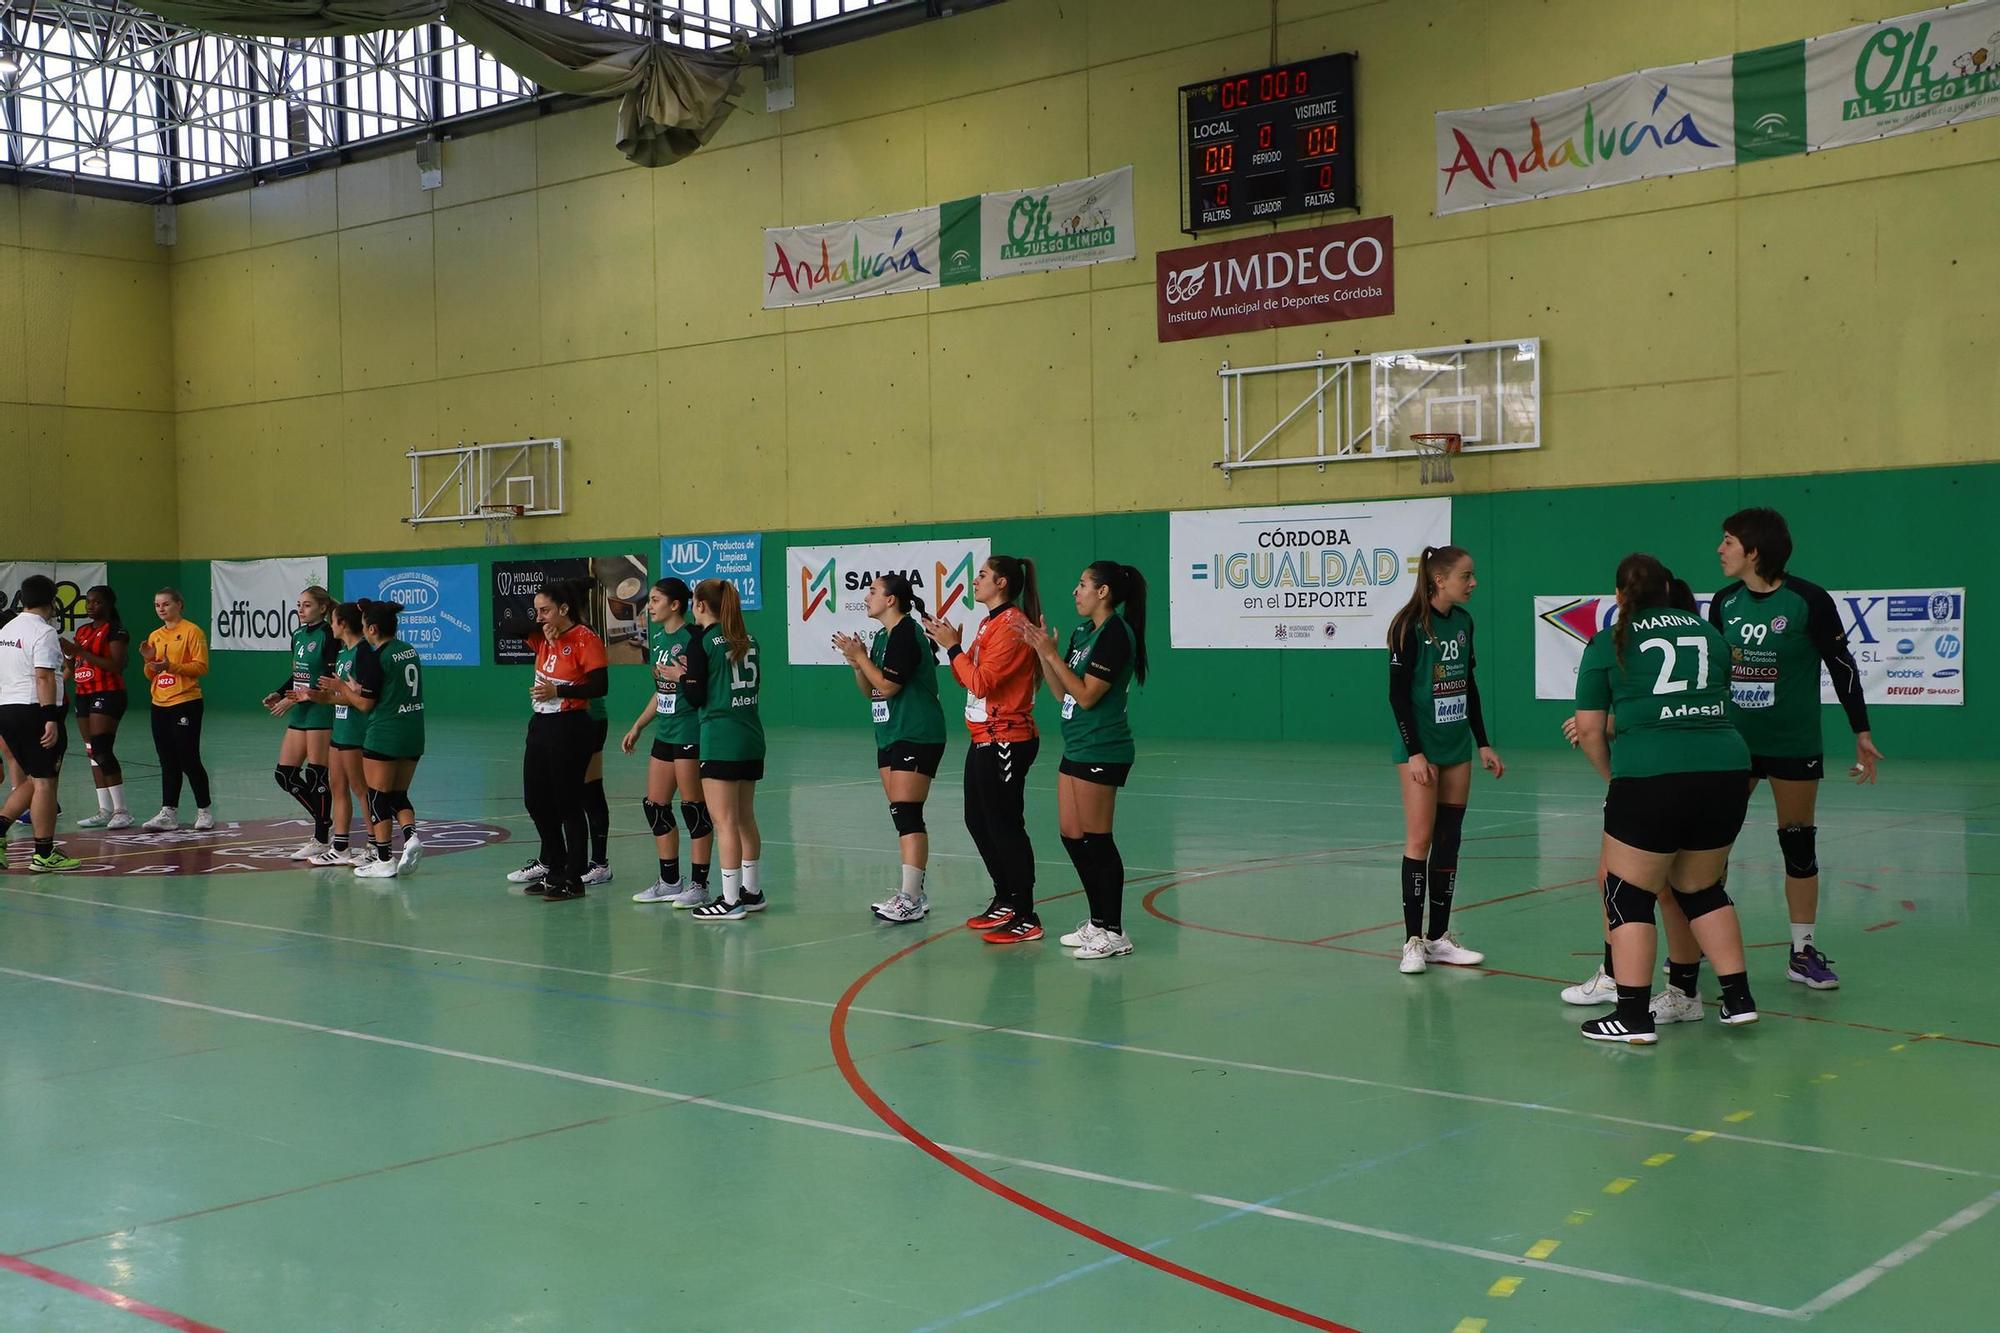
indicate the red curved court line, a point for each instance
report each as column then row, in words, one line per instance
column 104, row 1296
column 837, row 1034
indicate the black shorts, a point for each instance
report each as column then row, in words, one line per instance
column 1788, row 768
column 600, row 731
column 1104, row 775
column 1677, row 812
column 912, row 757
column 111, row 703
column 336, row 745
column 381, row 758
column 667, row 752
column 21, row 727
column 733, row 770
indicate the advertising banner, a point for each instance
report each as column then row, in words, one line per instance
column 615, row 606
column 832, row 261
column 1321, row 274
column 1086, row 221
column 72, row 582
column 254, row 603
column 736, row 556
column 1918, row 72
column 440, row 616
column 1909, row 643
column 825, row 586
column 1298, row 576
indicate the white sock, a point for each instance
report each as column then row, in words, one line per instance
column 913, row 881
column 749, row 877
column 115, row 796
column 104, row 806
column 732, row 885
column 1802, row 936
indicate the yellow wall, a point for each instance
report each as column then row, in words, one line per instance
column 1814, row 313
column 86, row 379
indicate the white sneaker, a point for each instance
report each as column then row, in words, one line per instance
column 694, row 895
column 1414, row 955
column 99, row 820
column 119, row 819
column 900, row 910
column 1599, row 989
column 1672, row 1005
column 204, row 820
column 413, row 852
column 329, row 857
column 309, row 849
column 597, row 874
column 1104, row 944
column 1082, row 935
column 1447, row 949
column 166, row 821
column 532, row 873
column 659, row 891
column 377, row 870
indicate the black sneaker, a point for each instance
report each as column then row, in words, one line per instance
column 563, row 892
column 1738, row 1017
column 1613, row 1028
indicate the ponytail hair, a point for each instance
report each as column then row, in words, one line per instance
column 896, row 587
column 1018, row 573
column 1128, row 597
column 347, row 615
column 1643, row 583
column 1433, row 564
column 676, row 591
column 321, row 598
column 380, row 616
column 1681, row 597
column 105, row 593
column 719, row 596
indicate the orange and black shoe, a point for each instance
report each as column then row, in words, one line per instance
column 1018, row 931
column 996, row 914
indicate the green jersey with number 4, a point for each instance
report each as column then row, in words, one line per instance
column 730, row 728
column 396, row 723
column 1667, row 700
column 312, row 657
column 1101, row 734
column 675, row 720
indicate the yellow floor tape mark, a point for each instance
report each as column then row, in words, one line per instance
column 1659, row 1159
column 1620, row 1185
column 1469, row 1325
column 1897, row 1047
column 1579, row 1217
column 1504, row 1287
column 1543, row 1248
column 1701, row 1136
column 1738, row 1117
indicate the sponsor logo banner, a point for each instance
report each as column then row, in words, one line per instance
column 440, row 616
column 614, row 604
column 824, row 587
column 254, row 603
column 736, row 556
column 1086, row 221
column 72, row 582
column 1344, row 271
column 1908, row 643
column 833, row 261
column 1301, row 576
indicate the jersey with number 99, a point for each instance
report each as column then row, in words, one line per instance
column 1667, row 698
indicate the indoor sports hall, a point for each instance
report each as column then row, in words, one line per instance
column 1007, row 665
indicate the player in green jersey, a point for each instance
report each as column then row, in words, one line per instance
column 350, row 728
column 389, row 688
column 1092, row 680
column 675, row 764
column 1781, row 630
column 1434, row 696
column 302, row 754
column 1678, row 775
column 896, row 673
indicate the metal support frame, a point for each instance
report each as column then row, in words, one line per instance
column 477, row 472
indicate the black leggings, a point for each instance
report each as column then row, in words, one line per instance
column 558, row 754
column 177, row 738
column 996, row 790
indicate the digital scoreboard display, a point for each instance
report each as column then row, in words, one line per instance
column 1269, row 145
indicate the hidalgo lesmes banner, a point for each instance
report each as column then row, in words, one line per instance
column 254, row 603
column 824, row 587
column 1304, row 576
column 1909, row 643
column 72, row 582
column 1920, row 71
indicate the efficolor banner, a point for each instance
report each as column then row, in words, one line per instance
column 72, row 582
column 440, row 615
column 824, row 587
column 1302, row 576
column 254, row 603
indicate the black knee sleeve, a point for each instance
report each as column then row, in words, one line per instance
column 399, row 799
column 1799, row 844
column 695, row 815
column 1446, row 834
column 907, row 816
column 1626, row 904
column 659, row 817
column 103, row 755
column 381, row 807
column 315, row 787
column 1701, row 902
column 287, row 776
column 1079, row 856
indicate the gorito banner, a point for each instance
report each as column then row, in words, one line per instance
column 440, row 616
column 254, row 603
column 72, row 582
column 1299, row 576
column 824, row 586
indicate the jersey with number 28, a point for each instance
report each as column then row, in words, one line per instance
column 1667, row 699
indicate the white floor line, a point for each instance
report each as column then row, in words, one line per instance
column 885, row 1136
column 1896, row 1258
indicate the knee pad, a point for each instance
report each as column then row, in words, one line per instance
column 287, row 776
column 1446, row 834
column 313, row 781
column 1626, row 904
column 907, row 816
column 695, row 815
column 1701, row 902
column 1799, row 844
column 399, row 799
column 381, row 807
column 90, row 748
column 659, row 818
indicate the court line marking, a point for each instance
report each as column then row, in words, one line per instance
column 104, row 1295
column 1897, row 1257
column 1124, row 1048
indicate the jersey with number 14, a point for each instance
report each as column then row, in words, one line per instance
column 677, row 722
column 1667, row 699
column 730, row 727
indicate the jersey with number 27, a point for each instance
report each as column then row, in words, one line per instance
column 1668, row 699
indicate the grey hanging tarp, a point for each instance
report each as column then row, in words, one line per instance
column 673, row 99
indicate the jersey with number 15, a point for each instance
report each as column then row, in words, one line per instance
column 730, row 727
column 1667, row 699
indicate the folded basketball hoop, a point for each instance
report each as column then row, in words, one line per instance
column 1434, row 451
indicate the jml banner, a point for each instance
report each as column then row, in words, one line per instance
column 254, row 603
column 736, row 556
column 72, row 582
column 1304, row 576
column 1921, row 71
column 1908, row 642
column 824, row 587
column 440, row 616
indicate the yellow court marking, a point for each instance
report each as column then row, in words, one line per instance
column 1543, row 1248
column 1701, row 1136
column 1659, row 1159
column 1897, row 1047
column 1738, row 1117
column 1579, row 1217
column 1620, row 1185
column 1825, row 1078
column 1504, row 1287
column 1469, row 1325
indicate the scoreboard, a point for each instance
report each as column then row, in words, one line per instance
column 1269, row 145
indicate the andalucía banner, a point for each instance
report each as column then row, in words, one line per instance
column 1919, row 72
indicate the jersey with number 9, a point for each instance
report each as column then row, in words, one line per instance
column 1668, row 698
column 396, row 722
